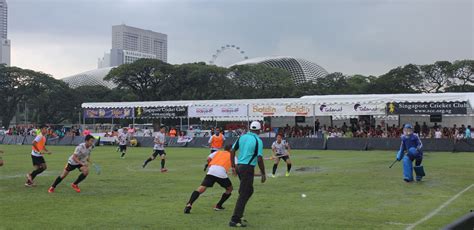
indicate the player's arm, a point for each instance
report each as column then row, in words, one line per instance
column 288, row 148
column 261, row 165
column 46, row 150
column 210, row 141
column 273, row 151
column 419, row 145
column 210, row 157
column 235, row 147
column 76, row 159
column 401, row 151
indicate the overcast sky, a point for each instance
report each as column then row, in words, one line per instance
column 65, row 37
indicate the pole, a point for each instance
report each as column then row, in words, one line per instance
column 112, row 124
column 314, row 120
column 26, row 115
column 181, row 123
column 248, row 116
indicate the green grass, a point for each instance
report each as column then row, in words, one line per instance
column 345, row 190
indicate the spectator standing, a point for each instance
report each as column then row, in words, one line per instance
column 467, row 134
column 438, row 134
column 417, row 128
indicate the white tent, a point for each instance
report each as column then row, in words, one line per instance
column 260, row 107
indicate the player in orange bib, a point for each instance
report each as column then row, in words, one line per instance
column 216, row 142
column 219, row 165
column 38, row 149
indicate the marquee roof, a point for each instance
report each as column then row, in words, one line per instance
column 306, row 100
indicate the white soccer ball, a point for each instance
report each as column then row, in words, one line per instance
column 303, row 195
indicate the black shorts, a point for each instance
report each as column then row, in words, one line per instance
column 285, row 158
column 159, row 152
column 209, row 181
column 123, row 148
column 37, row 160
column 213, row 151
column 70, row 167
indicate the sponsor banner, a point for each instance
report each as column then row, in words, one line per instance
column 108, row 113
column 218, row 111
column 161, row 112
column 427, row 108
column 281, row 110
column 184, row 139
column 355, row 109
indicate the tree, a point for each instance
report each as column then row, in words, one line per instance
column 54, row 102
column 436, row 77
column 198, row 81
column 16, row 85
column 92, row 93
column 406, row 79
column 143, row 78
column 463, row 73
column 261, row 81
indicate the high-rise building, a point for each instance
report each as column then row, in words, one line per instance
column 130, row 44
column 4, row 42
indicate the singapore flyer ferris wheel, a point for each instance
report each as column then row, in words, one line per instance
column 225, row 49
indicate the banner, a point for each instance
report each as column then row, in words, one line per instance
column 281, row 110
column 427, row 108
column 184, row 139
column 355, row 109
column 108, row 113
column 218, row 111
column 161, row 112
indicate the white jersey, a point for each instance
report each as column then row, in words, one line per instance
column 160, row 137
column 280, row 148
column 123, row 138
column 82, row 153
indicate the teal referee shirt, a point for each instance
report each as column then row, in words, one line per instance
column 246, row 145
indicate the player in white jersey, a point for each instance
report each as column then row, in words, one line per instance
column 123, row 139
column 159, row 149
column 281, row 151
column 78, row 160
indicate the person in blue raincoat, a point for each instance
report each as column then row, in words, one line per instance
column 411, row 149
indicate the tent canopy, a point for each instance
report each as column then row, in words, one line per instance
column 305, row 106
column 386, row 98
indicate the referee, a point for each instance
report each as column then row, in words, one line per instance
column 250, row 148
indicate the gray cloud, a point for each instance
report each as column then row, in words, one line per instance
column 63, row 37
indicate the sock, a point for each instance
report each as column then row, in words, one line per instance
column 288, row 167
column 36, row 172
column 162, row 163
column 275, row 166
column 194, row 197
column 57, row 181
column 224, row 197
column 123, row 154
column 79, row 179
column 147, row 161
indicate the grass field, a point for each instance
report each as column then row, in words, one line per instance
column 345, row 190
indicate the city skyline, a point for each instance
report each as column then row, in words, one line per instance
column 368, row 37
column 132, row 43
column 4, row 41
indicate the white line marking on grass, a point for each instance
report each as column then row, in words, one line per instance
column 434, row 212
